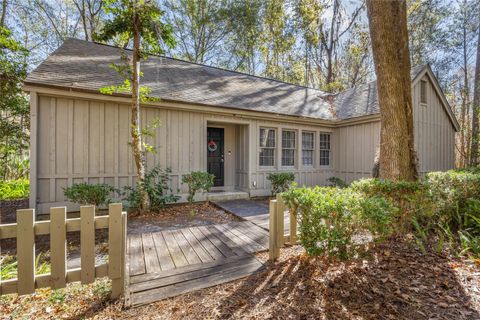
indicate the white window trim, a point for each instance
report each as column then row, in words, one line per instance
column 295, row 154
column 320, row 149
column 314, row 134
column 426, row 93
column 263, row 167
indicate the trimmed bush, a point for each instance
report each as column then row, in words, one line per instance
column 89, row 194
column 411, row 198
column 331, row 217
column 156, row 185
column 281, row 181
column 197, row 181
column 14, row 189
column 337, row 182
column 442, row 211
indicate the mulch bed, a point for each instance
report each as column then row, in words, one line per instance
column 179, row 216
column 396, row 282
column 8, row 209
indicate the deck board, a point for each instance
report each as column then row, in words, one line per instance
column 150, row 253
column 164, row 257
column 176, row 253
column 171, row 262
column 219, row 245
column 137, row 265
column 198, row 280
column 187, row 250
column 207, row 244
column 195, row 244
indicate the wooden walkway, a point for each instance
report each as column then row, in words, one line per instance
column 168, row 263
column 254, row 211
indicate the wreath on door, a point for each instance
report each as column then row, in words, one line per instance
column 212, row 146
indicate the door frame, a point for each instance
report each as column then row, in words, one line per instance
column 220, row 187
column 211, row 122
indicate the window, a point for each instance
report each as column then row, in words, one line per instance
column 308, row 143
column 267, row 147
column 423, row 92
column 288, row 148
column 324, row 149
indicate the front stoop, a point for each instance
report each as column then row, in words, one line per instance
column 227, row 195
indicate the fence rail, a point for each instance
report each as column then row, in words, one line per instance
column 277, row 237
column 27, row 228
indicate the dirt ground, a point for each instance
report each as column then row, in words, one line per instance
column 395, row 282
column 179, row 216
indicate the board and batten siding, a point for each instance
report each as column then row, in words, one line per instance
column 433, row 130
column 434, row 136
column 356, row 146
column 87, row 140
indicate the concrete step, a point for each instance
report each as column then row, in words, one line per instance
column 227, row 195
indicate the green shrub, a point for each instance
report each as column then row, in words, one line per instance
column 281, row 181
column 197, row 181
column 14, row 189
column 337, row 182
column 411, row 198
column 454, row 193
column 331, row 217
column 89, row 194
column 157, row 187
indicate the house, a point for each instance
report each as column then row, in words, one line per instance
column 237, row 126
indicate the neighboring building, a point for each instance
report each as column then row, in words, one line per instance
column 237, row 126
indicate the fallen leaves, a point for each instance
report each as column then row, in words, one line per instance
column 397, row 282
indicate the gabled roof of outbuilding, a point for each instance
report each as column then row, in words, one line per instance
column 83, row 65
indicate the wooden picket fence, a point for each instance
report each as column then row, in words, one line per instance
column 277, row 237
column 27, row 228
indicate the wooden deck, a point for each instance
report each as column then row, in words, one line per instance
column 252, row 210
column 168, row 263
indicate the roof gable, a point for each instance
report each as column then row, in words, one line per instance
column 427, row 70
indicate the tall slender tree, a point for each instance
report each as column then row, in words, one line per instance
column 388, row 31
column 475, row 156
column 138, row 22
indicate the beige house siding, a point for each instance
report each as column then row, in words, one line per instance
column 434, row 133
column 356, row 146
column 85, row 138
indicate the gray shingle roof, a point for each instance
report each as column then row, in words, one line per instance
column 86, row 66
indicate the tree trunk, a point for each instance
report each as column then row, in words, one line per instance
column 388, row 31
column 135, row 119
column 4, row 13
column 475, row 156
column 464, row 146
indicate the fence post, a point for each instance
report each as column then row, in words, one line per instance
column 26, row 251
column 116, row 248
column 87, row 244
column 58, row 246
column 293, row 226
column 274, row 248
column 281, row 220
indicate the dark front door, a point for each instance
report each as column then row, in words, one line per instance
column 215, row 160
